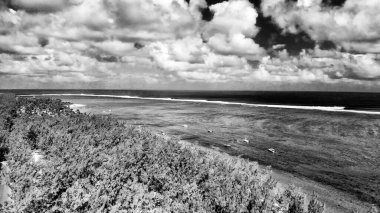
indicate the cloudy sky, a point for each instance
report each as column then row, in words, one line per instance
column 196, row 44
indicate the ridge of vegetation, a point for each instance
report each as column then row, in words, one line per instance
column 92, row 163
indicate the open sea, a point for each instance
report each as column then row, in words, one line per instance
column 354, row 101
column 332, row 138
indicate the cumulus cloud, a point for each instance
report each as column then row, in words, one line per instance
column 66, row 35
column 92, row 36
column 327, row 66
column 99, row 20
column 115, row 47
column 19, row 43
column 185, row 54
column 355, row 25
column 232, row 29
column 191, row 59
column 91, row 14
column 166, row 42
column 154, row 19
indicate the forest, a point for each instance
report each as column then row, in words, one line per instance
column 55, row 159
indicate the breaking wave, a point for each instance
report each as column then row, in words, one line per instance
column 75, row 106
column 320, row 108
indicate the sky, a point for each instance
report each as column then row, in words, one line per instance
column 305, row 45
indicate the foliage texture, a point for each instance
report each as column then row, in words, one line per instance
column 94, row 163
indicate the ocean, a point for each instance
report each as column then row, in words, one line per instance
column 332, row 101
column 332, row 138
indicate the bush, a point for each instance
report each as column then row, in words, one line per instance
column 95, row 163
column 315, row 206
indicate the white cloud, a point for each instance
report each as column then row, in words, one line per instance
column 115, row 47
column 235, row 44
column 231, row 29
column 237, row 16
column 194, row 60
column 154, row 19
column 20, row 43
column 166, row 42
column 328, row 66
column 362, row 67
column 174, row 55
column 355, row 25
column 91, row 14
column 94, row 37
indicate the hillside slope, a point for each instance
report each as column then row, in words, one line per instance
column 65, row 161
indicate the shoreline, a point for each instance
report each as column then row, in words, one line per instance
column 335, row 200
column 345, row 202
column 339, row 109
column 132, row 160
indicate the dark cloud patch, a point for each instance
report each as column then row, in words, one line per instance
column 333, row 3
column 270, row 34
column 41, row 6
column 129, row 38
column 43, row 41
column 4, row 4
column 8, row 74
column 256, row 3
column 107, row 58
column 327, row 45
column 20, row 58
column 254, row 64
column 207, row 14
column 266, row 39
column 4, row 32
column 7, row 51
column 291, row 1
column 211, row 2
column 138, row 45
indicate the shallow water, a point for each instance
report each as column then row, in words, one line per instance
column 333, row 148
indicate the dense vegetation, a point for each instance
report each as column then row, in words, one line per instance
column 96, row 164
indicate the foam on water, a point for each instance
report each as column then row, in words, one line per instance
column 75, row 106
column 320, row 108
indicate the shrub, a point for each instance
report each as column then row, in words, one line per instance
column 95, row 163
column 315, row 206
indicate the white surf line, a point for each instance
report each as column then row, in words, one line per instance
column 76, row 105
column 319, row 108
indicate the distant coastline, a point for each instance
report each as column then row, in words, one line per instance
column 320, row 108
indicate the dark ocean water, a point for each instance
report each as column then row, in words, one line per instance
column 344, row 100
